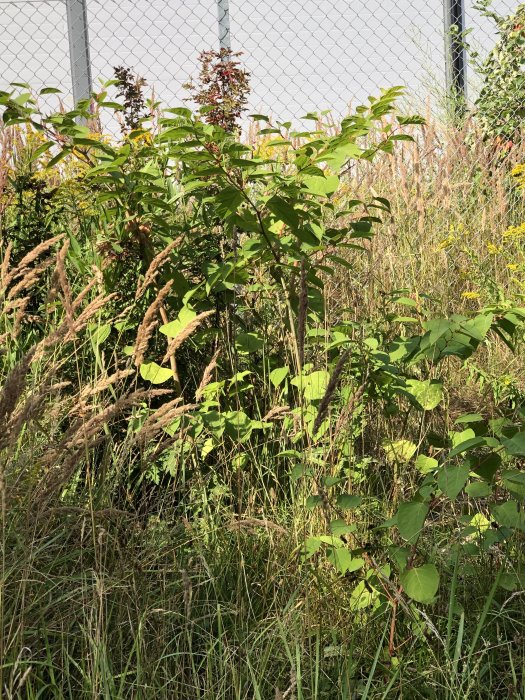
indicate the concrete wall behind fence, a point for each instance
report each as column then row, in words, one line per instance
column 302, row 54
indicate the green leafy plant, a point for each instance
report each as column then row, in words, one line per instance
column 500, row 102
column 216, row 351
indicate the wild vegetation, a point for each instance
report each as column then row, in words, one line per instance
column 262, row 426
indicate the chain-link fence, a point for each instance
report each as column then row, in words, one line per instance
column 302, row 54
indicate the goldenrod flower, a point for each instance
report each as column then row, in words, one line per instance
column 515, row 231
column 446, row 242
column 471, row 295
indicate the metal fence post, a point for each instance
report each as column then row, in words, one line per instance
column 223, row 11
column 77, row 29
column 455, row 58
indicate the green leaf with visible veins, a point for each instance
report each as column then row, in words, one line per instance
column 411, row 517
column 421, row 583
column 451, row 480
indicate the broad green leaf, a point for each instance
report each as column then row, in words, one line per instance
column 321, row 185
column 478, row 489
column 451, row 480
column 512, row 581
column 208, row 447
column 227, row 201
column 214, row 421
column 400, row 556
column 342, row 560
column 248, row 342
column 185, row 317
column 337, row 155
column 469, row 418
column 428, row 394
column 421, row 583
column 426, row 464
column 314, row 384
column 313, row 501
column 514, row 481
column 466, row 445
column 311, row 546
column 438, row 328
column 363, row 596
column 347, row 501
column 515, row 445
column 239, row 426
column 478, row 327
column 509, row 514
column 480, row 522
column 399, row 450
column 486, row 465
column 339, row 527
column 284, row 211
column 154, row 373
column 462, row 436
column 278, row 375
column 411, row 518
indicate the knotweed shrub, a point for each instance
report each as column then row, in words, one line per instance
column 231, row 250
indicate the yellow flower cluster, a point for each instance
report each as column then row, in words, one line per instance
column 515, row 232
column 493, row 249
column 447, row 242
column 471, row 295
column 519, row 173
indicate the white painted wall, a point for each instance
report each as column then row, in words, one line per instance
column 302, row 54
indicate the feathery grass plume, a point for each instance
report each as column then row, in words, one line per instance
column 149, row 322
column 330, row 391
column 253, row 524
column 94, row 306
column 60, row 461
column 185, row 333
column 30, row 257
column 33, row 409
column 156, row 264
column 14, row 387
column 4, row 267
column 276, row 413
column 93, row 282
column 30, row 278
column 104, row 383
column 207, row 375
column 301, row 314
column 19, row 317
column 60, row 276
column 67, row 332
column 155, row 423
column 14, row 305
column 349, row 409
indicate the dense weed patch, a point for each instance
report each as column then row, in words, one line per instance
column 251, row 444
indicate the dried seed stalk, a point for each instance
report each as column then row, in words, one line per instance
column 330, row 391
column 158, row 261
column 185, row 333
column 206, row 376
column 149, row 322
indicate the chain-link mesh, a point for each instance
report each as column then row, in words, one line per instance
column 302, row 54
